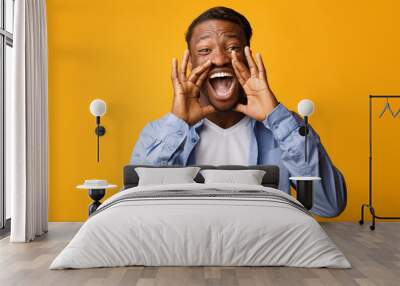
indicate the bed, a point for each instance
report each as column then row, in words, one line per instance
column 198, row 224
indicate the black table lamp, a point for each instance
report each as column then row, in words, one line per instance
column 304, row 185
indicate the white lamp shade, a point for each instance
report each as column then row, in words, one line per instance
column 98, row 107
column 305, row 107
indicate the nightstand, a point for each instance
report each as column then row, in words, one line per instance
column 97, row 190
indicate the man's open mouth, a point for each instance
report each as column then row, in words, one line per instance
column 222, row 83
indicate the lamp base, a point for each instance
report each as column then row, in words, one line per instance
column 96, row 195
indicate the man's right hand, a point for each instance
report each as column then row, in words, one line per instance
column 186, row 103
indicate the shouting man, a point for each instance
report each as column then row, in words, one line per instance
column 224, row 112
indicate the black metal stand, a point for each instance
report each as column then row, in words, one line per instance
column 369, row 205
column 96, row 195
column 100, row 131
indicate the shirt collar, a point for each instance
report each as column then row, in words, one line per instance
column 201, row 123
column 198, row 125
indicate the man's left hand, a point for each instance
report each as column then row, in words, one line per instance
column 260, row 99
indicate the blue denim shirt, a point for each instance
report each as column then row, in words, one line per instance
column 275, row 141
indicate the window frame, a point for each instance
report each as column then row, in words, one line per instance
column 6, row 39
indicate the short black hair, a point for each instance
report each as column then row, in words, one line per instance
column 221, row 13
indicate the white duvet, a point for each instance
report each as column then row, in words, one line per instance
column 183, row 231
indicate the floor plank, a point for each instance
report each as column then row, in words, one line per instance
column 374, row 255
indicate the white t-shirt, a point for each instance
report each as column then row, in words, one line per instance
column 219, row 146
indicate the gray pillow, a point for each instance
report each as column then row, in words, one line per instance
column 248, row 177
column 163, row 176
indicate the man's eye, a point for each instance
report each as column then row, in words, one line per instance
column 233, row 48
column 204, row 51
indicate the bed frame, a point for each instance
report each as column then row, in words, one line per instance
column 270, row 179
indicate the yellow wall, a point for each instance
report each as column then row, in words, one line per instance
column 333, row 52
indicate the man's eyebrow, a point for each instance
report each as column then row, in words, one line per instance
column 225, row 35
column 231, row 36
column 202, row 38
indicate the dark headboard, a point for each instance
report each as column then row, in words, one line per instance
column 270, row 179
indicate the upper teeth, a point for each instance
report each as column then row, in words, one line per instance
column 220, row 74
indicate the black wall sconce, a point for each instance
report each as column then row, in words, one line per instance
column 305, row 108
column 304, row 185
column 98, row 108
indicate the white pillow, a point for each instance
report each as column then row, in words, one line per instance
column 248, row 177
column 163, row 176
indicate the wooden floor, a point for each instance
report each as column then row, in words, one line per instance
column 375, row 257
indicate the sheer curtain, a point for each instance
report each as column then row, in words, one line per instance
column 27, row 124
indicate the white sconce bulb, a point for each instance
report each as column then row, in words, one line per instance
column 98, row 107
column 305, row 107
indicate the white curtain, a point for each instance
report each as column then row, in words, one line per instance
column 27, row 124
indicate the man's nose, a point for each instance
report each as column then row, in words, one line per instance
column 221, row 57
